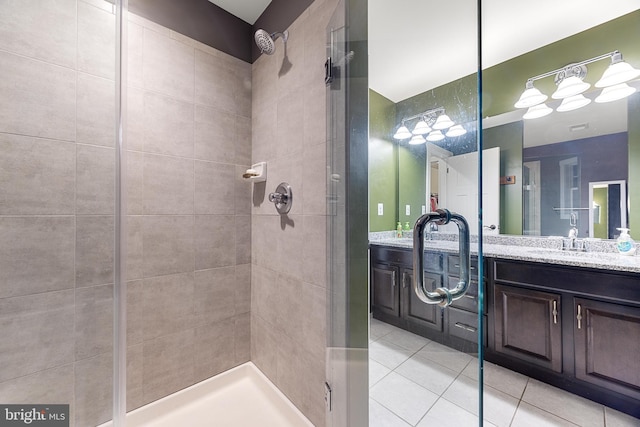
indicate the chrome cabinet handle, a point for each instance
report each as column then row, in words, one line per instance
column 579, row 316
column 458, row 265
column 393, row 279
column 404, row 279
column 555, row 312
column 465, row 327
column 441, row 296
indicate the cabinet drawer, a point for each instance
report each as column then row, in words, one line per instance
column 453, row 262
column 433, row 261
column 393, row 256
column 469, row 300
column 463, row 324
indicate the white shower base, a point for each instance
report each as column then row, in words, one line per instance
column 240, row 397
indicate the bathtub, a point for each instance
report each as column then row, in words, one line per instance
column 240, row 397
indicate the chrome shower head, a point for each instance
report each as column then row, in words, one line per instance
column 266, row 41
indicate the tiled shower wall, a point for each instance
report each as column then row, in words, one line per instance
column 189, row 211
column 289, row 282
column 189, row 246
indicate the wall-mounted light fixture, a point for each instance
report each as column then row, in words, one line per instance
column 571, row 86
column 431, row 123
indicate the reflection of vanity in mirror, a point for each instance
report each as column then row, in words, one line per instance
column 552, row 168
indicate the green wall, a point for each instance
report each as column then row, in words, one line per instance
column 509, row 138
column 601, row 229
column 383, row 163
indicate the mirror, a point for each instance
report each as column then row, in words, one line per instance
column 546, row 172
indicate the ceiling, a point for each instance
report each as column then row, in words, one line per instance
column 247, row 10
column 415, row 46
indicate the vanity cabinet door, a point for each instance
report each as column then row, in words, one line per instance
column 607, row 345
column 416, row 312
column 385, row 294
column 527, row 326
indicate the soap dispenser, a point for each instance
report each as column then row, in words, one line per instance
column 624, row 243
column 399, row 229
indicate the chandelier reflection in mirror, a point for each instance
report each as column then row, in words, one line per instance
column 431, row 123
column 571, row 86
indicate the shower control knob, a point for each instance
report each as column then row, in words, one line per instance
column 282, row 198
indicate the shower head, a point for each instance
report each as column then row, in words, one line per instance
column 266, row 41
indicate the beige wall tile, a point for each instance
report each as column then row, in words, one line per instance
column 94, row 250
column 242, row 339
column 314, row 180
column 214, row 295
column 95, row 176
column 315, row 111
column 135, row 307
column 135, row 125
column 37, row 175
column 36, row 255
column 265, row 295
column 57, row 18
column 215, row 241
column 215, row 134
column 242, row 191
column 37, row 333
column 168, row 245
column 264, row 348
column 134, row 183
column 314, row 251
column 215, row 82
column 243, row 289
column 135, row 261
column 243, row 141
column 243, row 239
column 290, row 134
column 215, row 191
column 51, row 385
column 93, row 390
column 135, row 46
column 168, row 66
column 39, row 99
column 96, row 41
column 314, row 320
column 168, row 125
column 168, row 364
column 135, row 397
column 94, row 321
column 96, row 121
column 214, row 350
column 168, row 185
column 167, row 305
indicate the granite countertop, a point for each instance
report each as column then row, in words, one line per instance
column 547, row 252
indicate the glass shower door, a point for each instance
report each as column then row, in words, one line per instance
column 401, row 75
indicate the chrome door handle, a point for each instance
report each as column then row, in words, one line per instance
column 441, row 296
column 555, row 312
column 393, row 279
column 579, row 316
column 404, row 279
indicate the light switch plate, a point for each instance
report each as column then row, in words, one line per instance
column 407, row 210
column 380, row 209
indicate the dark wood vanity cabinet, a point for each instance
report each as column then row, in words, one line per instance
column 385, row 297
column 607, row 345
column 575, row 328
column 527, row 325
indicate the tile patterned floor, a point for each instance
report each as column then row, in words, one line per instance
column 418, row 382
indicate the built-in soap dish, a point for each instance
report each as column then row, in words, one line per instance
column 257, row 172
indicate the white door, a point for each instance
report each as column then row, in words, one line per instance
column 462, row 188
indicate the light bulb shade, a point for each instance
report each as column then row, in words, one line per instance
column 456, row 130
column 422, row 128
column 417, row 140
column 614, row 93
column 570, row 86
column 435, row 136
column 402, row 133
column 537, row 111
column 530, row 97
column 616, row 73
column 573, row 103
column 443, row 122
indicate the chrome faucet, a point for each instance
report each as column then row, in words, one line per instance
column 574, row 244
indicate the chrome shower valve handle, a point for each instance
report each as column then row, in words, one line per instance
column 282, row 198
column 441, row 296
